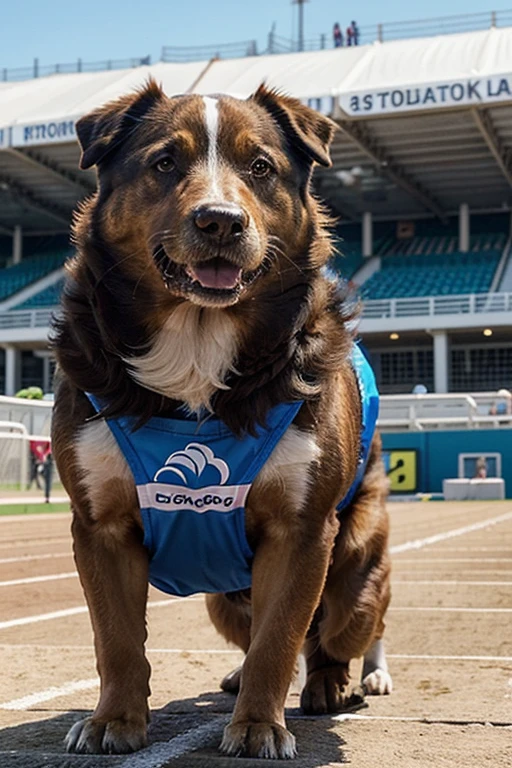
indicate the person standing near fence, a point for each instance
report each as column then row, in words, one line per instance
column 337, row 35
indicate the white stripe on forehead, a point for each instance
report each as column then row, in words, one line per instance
column 212, row 129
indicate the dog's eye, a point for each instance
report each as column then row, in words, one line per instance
column 260, row 168
column 165, row 164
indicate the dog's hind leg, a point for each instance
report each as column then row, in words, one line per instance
column 231, row 616
column 114, row 573
column 349, row 626
column 327, row 686
column 376, row 677
column 350, row 620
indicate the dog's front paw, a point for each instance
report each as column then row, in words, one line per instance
column 115, row 737
column 327, row 690
column 265, row 740
column 378, row 683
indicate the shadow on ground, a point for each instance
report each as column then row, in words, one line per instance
column 40, row 744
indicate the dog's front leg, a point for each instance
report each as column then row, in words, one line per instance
column 288, row 576
column 113, row 570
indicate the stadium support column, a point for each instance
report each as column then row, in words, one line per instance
column 17, row 244
column 367, row 234
column 440, row 361
column 464, row 227
column 12, row 370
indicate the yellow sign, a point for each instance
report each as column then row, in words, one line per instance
column 401, row 470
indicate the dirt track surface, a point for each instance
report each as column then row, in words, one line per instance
column 449, row 642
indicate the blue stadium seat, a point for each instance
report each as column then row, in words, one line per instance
column 437, row 274
column 48, row 297
column 14, row 279
column 348, row 257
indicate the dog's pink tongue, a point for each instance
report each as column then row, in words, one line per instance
column 215, row 274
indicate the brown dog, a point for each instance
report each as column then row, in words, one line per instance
column 197, row 294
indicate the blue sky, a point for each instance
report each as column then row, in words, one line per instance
column 63, row 30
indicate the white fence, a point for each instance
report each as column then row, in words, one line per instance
column 14, row 455
column 34, row 415
column 26, row 318
column 423, row 306
column 482, row 410
column 432, row 306
column 476, row 410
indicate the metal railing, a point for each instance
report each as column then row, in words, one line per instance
column 478, row 410
column 275, row 44
column 430, row 306
column 26, row 318
column 383, row 32
column 171, row 53
column 43, row 70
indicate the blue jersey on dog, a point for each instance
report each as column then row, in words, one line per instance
column 193, row 480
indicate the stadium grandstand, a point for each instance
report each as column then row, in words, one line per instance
column 420, row 183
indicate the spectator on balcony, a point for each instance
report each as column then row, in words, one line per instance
column 505, row 407
column 480, row 469
column 337, row 35
column 353, row 34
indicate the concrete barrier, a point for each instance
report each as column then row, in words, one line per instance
column 462, row 489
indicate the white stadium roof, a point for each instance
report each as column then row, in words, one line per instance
column 426, row 122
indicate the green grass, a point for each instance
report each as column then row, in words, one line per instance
column 32, row 509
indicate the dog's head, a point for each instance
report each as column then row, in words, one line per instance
column 203, row 196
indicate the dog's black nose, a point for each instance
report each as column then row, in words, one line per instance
column 224, row 222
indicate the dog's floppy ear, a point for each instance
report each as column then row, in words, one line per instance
column 307, row 131
column 101, row 131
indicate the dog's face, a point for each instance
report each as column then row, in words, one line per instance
column 203, row 196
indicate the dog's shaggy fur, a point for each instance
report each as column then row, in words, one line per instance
column 198, row 283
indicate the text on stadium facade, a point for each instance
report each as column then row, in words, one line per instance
column 428, row 96
column 44, row 133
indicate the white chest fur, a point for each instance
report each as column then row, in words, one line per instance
column 190, row 357
column 290, row 462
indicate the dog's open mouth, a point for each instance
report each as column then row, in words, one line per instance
column 216, row 274
column 215, row 280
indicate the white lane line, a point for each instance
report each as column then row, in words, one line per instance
column 427, row 657
column 466, row 549
column 40, row 543
column 27, row 558
column 420, row 560
column 420, row 543
column 412, row 719
column 53, row 648
column 447, row 583
column 435, row 609
column 398, row 572
column 74, row 575
column 39, row 579
column 220, row 651
column 82, row 609
column 55, row 692
column 231, row 651
column 43, row 617
column 31, row 500
column 159, row 754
